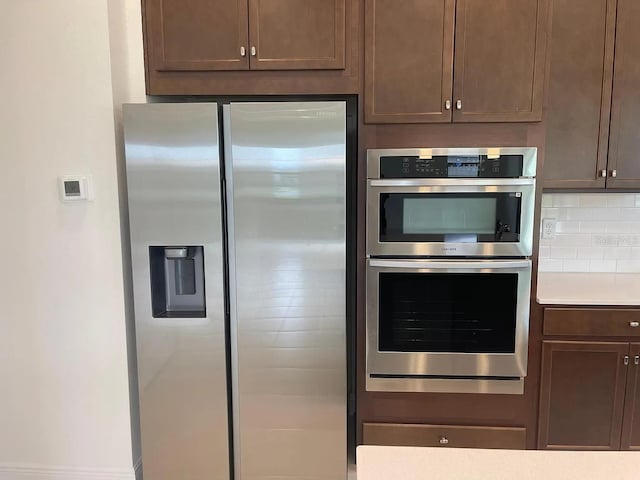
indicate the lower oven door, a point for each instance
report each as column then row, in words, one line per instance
column 447, row 319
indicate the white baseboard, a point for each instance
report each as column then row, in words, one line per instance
column 15, row 471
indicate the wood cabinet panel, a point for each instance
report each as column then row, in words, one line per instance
column 624, row 145
column 500, row 60
column 417, row 435
column 631, row 419
column 409, row 60
column 591, row 322
column 582, row 395
column 579, row 93
column 297, row 35
column 196, row 35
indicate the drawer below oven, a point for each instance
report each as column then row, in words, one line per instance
column 419, row 435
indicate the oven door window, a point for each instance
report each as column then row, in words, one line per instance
column 450, row 217
column 447, row 312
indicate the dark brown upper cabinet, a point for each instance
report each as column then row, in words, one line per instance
column 582, row 394
column 193, row 35
column 631, row 423
column 593, row 106
column 210, row 35
column 624, row 140
column 295, row 35
column 495, row 73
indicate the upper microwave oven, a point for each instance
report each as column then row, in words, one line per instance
column 465, row 202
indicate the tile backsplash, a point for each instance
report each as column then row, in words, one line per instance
column 595, row 232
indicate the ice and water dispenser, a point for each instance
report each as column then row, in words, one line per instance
column 177, row 281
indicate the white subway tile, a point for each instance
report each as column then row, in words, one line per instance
column 572, row 240
column 602, row 266
column 620, row 200
column 546, row 241
column 593, row 214
column 544, row 252
column 635, row 253
column 590, row 253
column 630, row 214
column 629, row 240
column 617, row 253
column 550, row 212
column 560, row 253
column 593, row 227
column 567, row 227
column 547, row 200
column 566, row 200
column 575, row 265
column 605, row 240
column 628, row 266
column 637, row 199
column 548, row 265
column 614, row 227
column 592, row 200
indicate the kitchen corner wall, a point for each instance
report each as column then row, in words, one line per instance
column 595, row 232
column 64, row 408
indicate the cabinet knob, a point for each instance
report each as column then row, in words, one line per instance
column 253, row 51
column 626, row 360
column 243, row 51
column 614, row 173
column 603, row 173
column 636, row 360
column 444, row 441
column 447, row 105
column 634, row 324
column 458, row 104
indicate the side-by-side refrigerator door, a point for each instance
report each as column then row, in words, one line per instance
column 173, row 176
column 285, row 167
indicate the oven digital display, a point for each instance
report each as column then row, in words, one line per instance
column 455, row 166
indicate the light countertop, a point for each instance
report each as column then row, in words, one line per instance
column 416, row 463
column 588, row 288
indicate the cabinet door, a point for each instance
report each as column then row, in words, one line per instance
column 184, row 35
column 579, row 96
column 409, row 60
column 297, row 34
column 500, row 60
column 631, row 420
column 582, row 395
column 625, row 109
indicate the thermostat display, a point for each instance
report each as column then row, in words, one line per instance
column 74, row 188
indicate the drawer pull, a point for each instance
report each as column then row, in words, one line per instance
column 444, row 441
column 636, row 360
column 634, row 324
column 626, row 360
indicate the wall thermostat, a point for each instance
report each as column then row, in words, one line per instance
column 75, row 188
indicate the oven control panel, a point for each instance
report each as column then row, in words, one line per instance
column 473, row 166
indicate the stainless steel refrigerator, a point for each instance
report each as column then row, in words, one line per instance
column 237, row 217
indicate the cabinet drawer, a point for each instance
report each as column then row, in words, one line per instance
column 417, row 435
column 592, row 322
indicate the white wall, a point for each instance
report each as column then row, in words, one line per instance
column 64, row 402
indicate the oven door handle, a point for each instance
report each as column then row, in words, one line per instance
column 453, row 182
column 451, row 264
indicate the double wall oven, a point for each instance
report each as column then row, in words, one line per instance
column 449, row 241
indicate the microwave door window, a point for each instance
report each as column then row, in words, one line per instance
column 460, row 218
column 447, row 312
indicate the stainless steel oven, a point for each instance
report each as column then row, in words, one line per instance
column 449, row 240
column 451, row 202
column 447, row 325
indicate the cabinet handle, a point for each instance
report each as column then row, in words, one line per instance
column 458, row 104
column 614, row 173
column 603, row 173
column 253, row 51
column 626, row 360
column 447, row 105
column 243, row 51
column 634, row 324
column 636, row 360
column 444, row 441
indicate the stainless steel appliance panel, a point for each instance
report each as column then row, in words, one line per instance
column 415, row 364
column 524, row 187
column 173, row 178
column 285, row 177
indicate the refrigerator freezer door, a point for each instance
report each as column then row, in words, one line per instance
column 173, row 175
column 285, row 173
